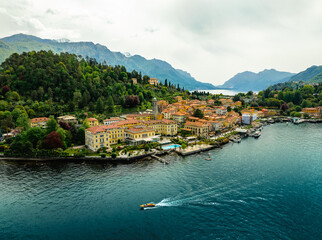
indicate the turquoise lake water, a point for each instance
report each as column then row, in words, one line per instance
column 265, row 188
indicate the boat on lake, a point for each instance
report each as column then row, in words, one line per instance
column 148, row 205
column 257, row 134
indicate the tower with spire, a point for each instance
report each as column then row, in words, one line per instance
column 155, row 108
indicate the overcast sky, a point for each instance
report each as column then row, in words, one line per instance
column 211, row 39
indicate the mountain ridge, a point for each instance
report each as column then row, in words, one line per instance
column 154, row 67
column 247, row 80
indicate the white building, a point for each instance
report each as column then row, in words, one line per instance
column 112, row 120
column 248, row 118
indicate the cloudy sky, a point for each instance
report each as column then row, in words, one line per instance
column 211, row 39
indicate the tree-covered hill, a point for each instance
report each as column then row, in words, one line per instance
column 43, row 83
column 155, row 68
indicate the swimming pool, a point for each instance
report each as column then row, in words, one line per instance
column 171, row 146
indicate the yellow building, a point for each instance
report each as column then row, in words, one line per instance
column 153, row 81
column 100, row 136
column 142, row 117
column 127, row 123
column 238, row 103
column 177, row 98
column 139, row 135
column 164, row 127
column 39, row 122
column 312, row 112
column 92, row 122
column 179, row 117
column 97, row 137
column 198, row 128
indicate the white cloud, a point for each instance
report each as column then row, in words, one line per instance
column 211, row 39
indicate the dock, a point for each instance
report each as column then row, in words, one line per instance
column 159, row 159
column 195, row 149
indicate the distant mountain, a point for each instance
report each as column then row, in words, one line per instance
column 246, row 81
column 309, row 75
column 312, row 74
column 154, row 68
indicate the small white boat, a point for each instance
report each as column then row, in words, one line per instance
column 208, row 159
column 257, row 134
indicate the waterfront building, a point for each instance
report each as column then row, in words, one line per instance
column 312, row 112
column 248, row 118
column 198, row 128
column 97, row 137
column 92, row 122
column 39, row 122
column 100, row 136
column 153, row 81
column 140, row 135
column 163, row 127
column 112, row 120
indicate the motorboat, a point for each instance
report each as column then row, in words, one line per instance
column 257, row 134
column 148, row 205
column 208, row 159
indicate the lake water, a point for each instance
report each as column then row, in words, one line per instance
column 224, row 92
column 265, row 188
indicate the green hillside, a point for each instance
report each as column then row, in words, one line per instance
column 155, row 68
column 43, row 83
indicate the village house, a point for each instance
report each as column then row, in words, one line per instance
column 198, row 128
column 92, row 122
column 312, row 112
column 153, row 81
column 221, row 111
column 112, row 120
column 67, row 118
column 179, row 117
column 135, row 81
column 39, row 122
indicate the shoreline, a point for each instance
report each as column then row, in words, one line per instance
column 149, row 155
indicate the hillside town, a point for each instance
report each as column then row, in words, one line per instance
column 165, row 119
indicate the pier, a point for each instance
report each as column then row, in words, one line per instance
column 159, row 159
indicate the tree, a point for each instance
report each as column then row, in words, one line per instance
column 284, row 107
column 132, row 101
column 77, row 98
column 4, row 90
column 23, row 121
column 53, row 140
column 40, row 92
column 110, row 104
column 249, row 93
column 50, row 93
column 228, row 109
column 51, row 125
column 100, row 106
column 198, row 113
column 64, row 125
column 34, row 135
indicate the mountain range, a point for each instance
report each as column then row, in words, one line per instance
column 154, row 68
column 247, row 80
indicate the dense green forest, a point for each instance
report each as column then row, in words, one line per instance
column 43, row 84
